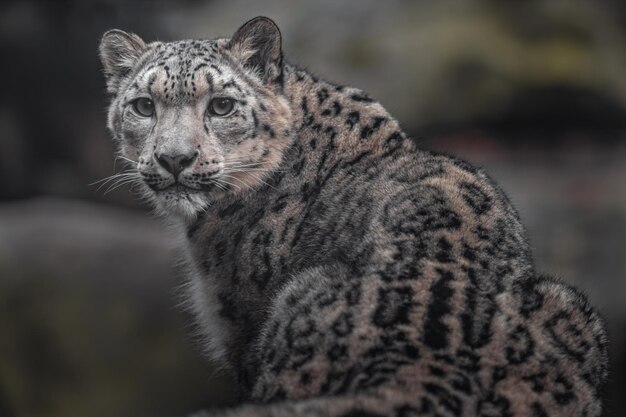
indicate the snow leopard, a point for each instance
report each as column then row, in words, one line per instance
column 335, row 266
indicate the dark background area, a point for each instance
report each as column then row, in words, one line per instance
column 90, row 323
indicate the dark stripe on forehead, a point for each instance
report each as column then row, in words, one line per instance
column 232, row 84
column 215, row 67
column 151, row 80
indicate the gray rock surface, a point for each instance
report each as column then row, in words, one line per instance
column 88, row 316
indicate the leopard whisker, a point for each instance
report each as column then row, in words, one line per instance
column 113, row 178
column 223, row 180
column 121, row 182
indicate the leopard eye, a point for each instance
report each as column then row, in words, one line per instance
column 144, row 107
column 221, row 106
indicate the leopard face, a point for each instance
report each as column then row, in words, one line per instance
column 198, row 119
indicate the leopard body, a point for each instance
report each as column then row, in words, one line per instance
column 337, row 268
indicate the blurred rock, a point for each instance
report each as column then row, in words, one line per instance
column 88, row 316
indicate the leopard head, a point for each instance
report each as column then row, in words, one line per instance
column 198, row 119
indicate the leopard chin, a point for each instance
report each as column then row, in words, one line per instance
column 181, row 202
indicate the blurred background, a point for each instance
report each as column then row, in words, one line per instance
column 534, row 91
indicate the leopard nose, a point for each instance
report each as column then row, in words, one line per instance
column 175, row 164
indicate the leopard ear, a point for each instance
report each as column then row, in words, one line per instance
column 119, row 52
column 258, row 45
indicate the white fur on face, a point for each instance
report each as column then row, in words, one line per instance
column 235, row 153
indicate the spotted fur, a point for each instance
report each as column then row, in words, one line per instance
column 335, row 267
